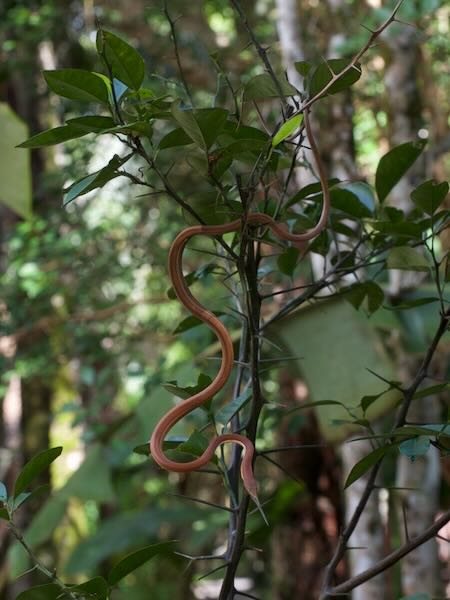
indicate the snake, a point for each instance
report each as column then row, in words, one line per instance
column 175, row 268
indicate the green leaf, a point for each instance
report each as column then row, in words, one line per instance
column 50, row 137
column 303, row 67
column 349, row 203
column 195, row 445
column 287, row 129
column 312, row 189
column 415, row 447
column 325, row 72
column 368, row 292
column 434, row 389
column 15, row 170
column 367, row 401
column 188, row 122
column 92, row 123
column 429, row 195
column 225, row 414
column 191, row 322
column 394, row 165
column 368, row 462
column 210, row 121
column 97, row 588
column 94, row 180
column 133, row 561
column 262, row 87
column 3, row 492
column 364, row 193
column 413, row 303
column 406, row 259
column 77, row 84
column 4, row 514
column 125, row 62
column 186, row 392
column 192, row 277
column 25, row 496
column 34, row 467
column 287, row 261
column 48, row 591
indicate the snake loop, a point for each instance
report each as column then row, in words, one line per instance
column 187, row 299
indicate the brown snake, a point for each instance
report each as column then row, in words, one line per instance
column 187, row 299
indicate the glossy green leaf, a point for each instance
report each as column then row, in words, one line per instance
column 225, row 414
column 349, row 203
column 394, row 165
column 133, row 561
column 187, row 121
column 3, row 492
column 195, row 445
column 48, row 591
column 287, row 261
column 210, row 122
column 92, row 123
column 15, row 169
column 34, row 468
column 408, row 304
column 367, row 463
column 126, row 63
column 415, row 447
column 310, row 190
column 94, row 180
column 429, row 195
column 287, row 129
column 95, row 589
column 50, row 137
column 323, row 74
column 364, row 192
column 407, row 259
column 262, row 87
column 77, row 84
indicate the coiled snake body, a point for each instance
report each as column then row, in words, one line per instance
column 186, row 298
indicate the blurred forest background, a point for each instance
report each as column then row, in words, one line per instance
column 86, row 332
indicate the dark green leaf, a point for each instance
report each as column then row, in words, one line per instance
column 188, row 122
column 406, row 259
column 34, row 467
column 193, row 277
column 4, row 514
column 287, row 129
column 415, row 447
column 369, row 291
column 429, row 195
column 367, row 401
column 394, row 165
column 311, row 189
column 210, row 122
column 413, row 303
column 349, row 203
column 262, row 87
column 195, row 445
column 303, row 67
column 50, row 137
column 25, row 496
column 325, row 72
column 434, row 389
column 225, row 414
column 133, row 561
column 287, row 261
column 77, row 84
column 92, row 123
column 126, row 63
column 94, row 180
column 368, row 462
column 186, row 392
column 48, row 591
column 364, row 192
column 191, row 322
column 95, row 588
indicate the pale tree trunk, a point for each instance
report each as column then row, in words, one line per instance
column 337, row 146
column 417, row 508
